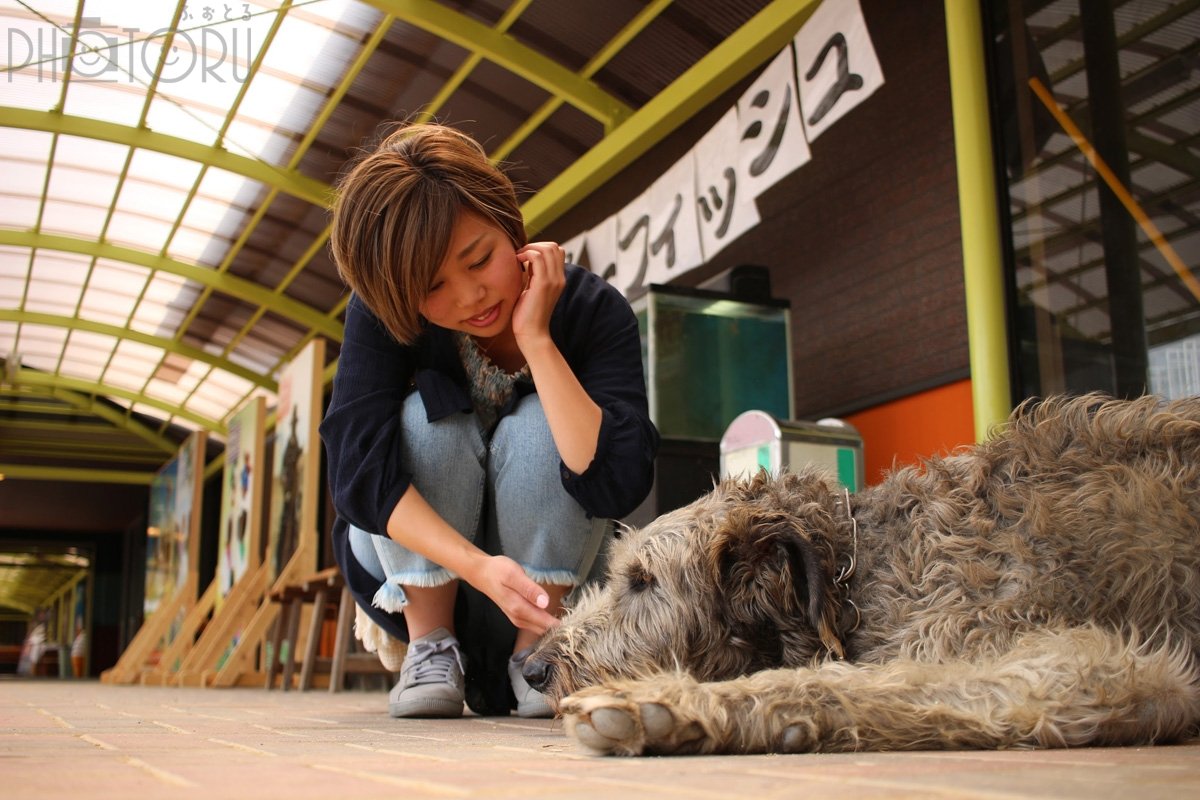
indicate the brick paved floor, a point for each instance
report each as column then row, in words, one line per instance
column 81, row 739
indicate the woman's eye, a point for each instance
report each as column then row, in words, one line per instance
column 482, row 262
column 434, row 288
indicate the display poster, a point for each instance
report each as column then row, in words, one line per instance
column 238, row 542
column 160, row 538
column 173, row 524
column 296, row 459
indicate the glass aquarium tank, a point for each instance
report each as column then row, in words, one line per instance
column 709, row 357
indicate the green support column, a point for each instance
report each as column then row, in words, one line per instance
column 983, row 262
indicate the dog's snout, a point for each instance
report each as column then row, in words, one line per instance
column 537, row 673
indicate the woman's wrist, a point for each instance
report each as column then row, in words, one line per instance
column 536, row 346
column 469, row 564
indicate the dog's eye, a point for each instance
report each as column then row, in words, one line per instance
column 640, row 580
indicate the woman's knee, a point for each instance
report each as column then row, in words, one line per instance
column 523, row 438
column 438, row 446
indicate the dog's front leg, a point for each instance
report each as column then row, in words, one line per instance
column 786, row 710
column 1054, row 689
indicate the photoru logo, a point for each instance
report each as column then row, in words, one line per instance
column 109, row 54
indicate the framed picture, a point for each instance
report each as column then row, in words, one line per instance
column 173, row 532
column 160, row 538
column 296, row 461
column 239, row 533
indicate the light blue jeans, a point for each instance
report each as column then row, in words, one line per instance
column 528, row 515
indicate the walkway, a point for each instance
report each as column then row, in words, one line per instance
column 81, row 739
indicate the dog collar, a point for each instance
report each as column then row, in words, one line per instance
column 842, row 581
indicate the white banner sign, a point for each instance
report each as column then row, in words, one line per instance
column 706, row 200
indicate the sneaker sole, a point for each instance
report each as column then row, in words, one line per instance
column 539, row 710
column 426, row 707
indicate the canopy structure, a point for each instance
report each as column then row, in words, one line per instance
column 168, row 169
column 168, row 166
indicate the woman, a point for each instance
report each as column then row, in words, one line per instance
column 483, row 386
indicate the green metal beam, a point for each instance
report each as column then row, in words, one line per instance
column 290, row 181
column 747, row 48
column 510, row 54
column 162, row 342
column 623, row 37
column 69, row 402
column 41, row 448
column 431, row 109
column 76, row 475
column 983, row 263
column 29, row 377
column 26, row 407
column 251, row 292
column 118, row 418
column 22, row 426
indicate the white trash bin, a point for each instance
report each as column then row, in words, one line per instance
column 756, row 440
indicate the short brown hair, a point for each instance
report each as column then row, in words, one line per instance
column 395, row 212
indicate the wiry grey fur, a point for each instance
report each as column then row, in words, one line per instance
column 1039, row 590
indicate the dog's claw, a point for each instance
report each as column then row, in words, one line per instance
column 613, row 723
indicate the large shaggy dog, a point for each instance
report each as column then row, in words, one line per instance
column 1039, row 590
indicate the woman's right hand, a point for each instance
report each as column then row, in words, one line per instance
column 521, row 600
column 415, row 525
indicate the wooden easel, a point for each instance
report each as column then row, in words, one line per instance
column 202, row 663
column 240, row 668
column 183, row 641
column 134, row 661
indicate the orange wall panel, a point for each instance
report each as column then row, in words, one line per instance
column 904, row 431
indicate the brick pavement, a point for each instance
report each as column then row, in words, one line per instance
column 81, row 739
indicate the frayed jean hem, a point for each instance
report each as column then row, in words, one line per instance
column 391, row 596
column 552, row 577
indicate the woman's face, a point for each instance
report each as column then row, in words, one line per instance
column 478, row 283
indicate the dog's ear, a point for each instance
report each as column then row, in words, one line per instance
column 772, row 569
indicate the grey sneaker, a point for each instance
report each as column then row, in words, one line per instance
column 431, row 679
column 531, row 703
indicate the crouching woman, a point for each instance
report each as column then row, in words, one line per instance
column 484, row 389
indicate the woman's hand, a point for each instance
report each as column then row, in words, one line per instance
column 521, row 600
column 573, row 416
column 545, row 277
column 415, row 525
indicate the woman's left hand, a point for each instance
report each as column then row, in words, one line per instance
column 545, row 277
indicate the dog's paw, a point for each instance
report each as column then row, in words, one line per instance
column 614, row 722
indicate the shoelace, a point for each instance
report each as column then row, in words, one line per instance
column 431, row 661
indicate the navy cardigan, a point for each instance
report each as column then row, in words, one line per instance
column 597, row 334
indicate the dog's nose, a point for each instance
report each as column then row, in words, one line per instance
column 537, row 673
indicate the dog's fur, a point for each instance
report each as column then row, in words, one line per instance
column 1039, row 590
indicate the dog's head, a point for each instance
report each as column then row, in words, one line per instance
column 739, row 581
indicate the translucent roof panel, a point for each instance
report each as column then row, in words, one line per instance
column 56, row 282
column 138, row 167
column 41, row 345
column 23, row 164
